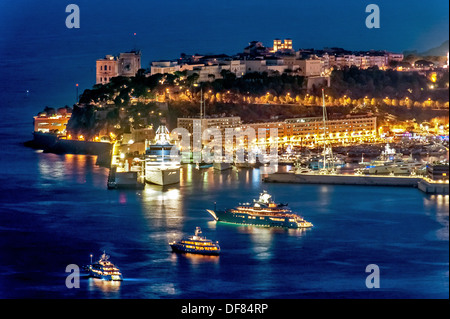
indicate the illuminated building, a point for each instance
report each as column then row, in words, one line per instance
column 221, row 123
column 348, row 129
column 360, row 59
column 438, row 172
column 310, row 67
column 209, row 122
column 395, row 57
column 310, row 130
column 279, row 45
column 107, row 68
column 127, row 64
column 213, row 71
column 164, row 67
column 52, row 123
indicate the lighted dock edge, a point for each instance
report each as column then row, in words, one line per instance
column 339, row 179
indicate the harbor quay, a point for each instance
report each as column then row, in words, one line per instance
column 129, row 174
column 424, row 184
column 432, row 187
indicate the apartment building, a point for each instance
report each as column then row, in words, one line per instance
column 361, row 60
column 213, row 72
column 311, row 130
column 192, row 124
column 164, row 67
column 209, row 122
column 351, row 128
column 309, row 67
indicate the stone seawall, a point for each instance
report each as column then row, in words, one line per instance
column 53, row 144
column 343, row 179
column 431, row 187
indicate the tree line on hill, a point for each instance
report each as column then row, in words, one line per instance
column 130, row 101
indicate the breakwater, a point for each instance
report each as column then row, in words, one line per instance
column 432, row 187
column 341, row 179
column 51, row 143
column 425, row 185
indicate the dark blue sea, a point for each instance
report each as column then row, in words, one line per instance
column 55, row 210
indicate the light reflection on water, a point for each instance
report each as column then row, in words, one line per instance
column 105, row 286
column 262, row 240
column 353, row 226
column 193, row 259
column 163, row 209
column 71, row 169
column 437, row 207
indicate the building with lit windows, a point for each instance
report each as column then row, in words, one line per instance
column 56, row 123
column 282, row 45
column 222, row 123
column 164, row 67
column 310, row 131
column 126, row 64
column 107, row 68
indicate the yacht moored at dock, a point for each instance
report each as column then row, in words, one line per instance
column 160, row 167
column 263, row 212
column 390, row 163
column 196, row 245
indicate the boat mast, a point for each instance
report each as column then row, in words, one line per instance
column 162, row 146
column 201, row 103
column 324, row 114
column 325, row 119
column 204, row 103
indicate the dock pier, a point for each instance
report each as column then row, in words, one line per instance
column 433, row 187
column 124, row 180
column 425, row 185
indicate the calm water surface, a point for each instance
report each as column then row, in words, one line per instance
column 55, row 210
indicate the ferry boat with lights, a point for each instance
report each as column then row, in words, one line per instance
column 160, row 166
column 262, row 212
column 104, row 269
column 196, row 245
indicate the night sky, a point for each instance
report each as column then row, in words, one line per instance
column 35, row 31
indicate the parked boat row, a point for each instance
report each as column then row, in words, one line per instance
column 391, row 162
column 163, row 161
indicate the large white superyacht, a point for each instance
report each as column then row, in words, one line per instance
column 161, row 167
